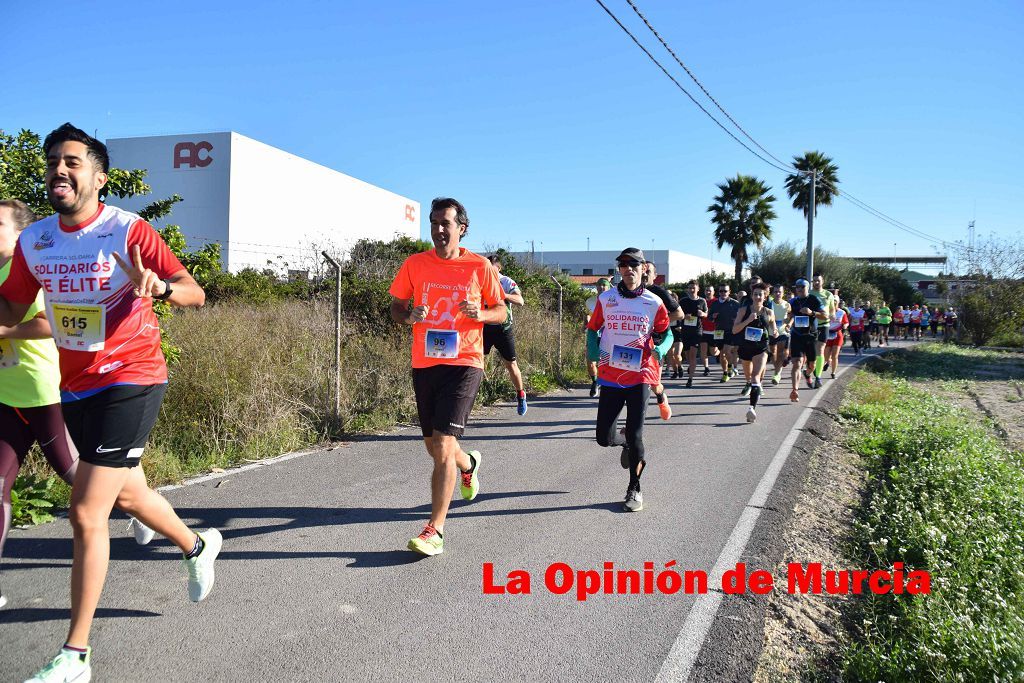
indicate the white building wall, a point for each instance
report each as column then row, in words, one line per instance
column 286, row 209
column 264, row 206
column 201, row 178
column 674, row 265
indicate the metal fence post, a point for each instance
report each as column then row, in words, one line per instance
column 559, row 285
column 337, row 339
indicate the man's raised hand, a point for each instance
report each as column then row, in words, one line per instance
column 147, row 283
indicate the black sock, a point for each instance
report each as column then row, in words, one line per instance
column 197, row 548
column 661, row 398
column 755, row 393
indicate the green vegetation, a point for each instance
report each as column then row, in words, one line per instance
column 945, row 495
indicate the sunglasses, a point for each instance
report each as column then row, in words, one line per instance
column 629, row 264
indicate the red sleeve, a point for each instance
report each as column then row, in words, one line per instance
column 597, row 317
column 661, row 319
column 402, row 287
column 20, row 287
column 490, row 287
column 846, row 318
column 156, row 255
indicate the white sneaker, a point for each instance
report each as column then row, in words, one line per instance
column 751, row 414
column 3, row 601
column 634, row 501
column 143, row 534
column 200, row 568
column 67, row 667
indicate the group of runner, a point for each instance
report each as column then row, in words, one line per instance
column 82, row 373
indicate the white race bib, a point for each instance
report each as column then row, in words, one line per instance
column 719, row 335
column 8, row 354
column 691, row 323
column 441, row 344
column 626, row 358
column 81, row 327
column 753, row 334
column 801, row 321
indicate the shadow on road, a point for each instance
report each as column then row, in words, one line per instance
column 28, row 615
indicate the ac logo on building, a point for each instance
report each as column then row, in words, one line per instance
column 191, row 154
column 410, row 213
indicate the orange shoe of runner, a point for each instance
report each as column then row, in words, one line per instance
column 665, row 409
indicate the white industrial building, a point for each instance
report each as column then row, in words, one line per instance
column 673, row 266
column 263, row 205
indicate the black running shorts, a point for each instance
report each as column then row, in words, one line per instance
column 500, row 338
column 803, row 345
column 444, row 397
column 748, row 351
column 691, row 341
column 110, row 428
column 781, row 339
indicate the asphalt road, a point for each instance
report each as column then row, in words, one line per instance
column 314, row 583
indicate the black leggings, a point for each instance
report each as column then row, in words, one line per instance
column 608, row 408
column 858, row 339
column 19, row 429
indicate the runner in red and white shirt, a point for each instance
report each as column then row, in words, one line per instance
column 834, row 340
column 100, row 269
column 634, row 336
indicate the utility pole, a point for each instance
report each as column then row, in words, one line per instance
column 810, row 227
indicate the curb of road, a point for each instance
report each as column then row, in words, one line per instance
column 728, row 648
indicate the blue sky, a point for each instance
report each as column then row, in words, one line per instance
column 548, row 122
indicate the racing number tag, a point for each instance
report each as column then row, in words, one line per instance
column 753, row 334
column 79, row 326
column 442, row 344
column 626, row 358
column 719, row 335
column 691, row 322
column 8, row 354
column 801, row 321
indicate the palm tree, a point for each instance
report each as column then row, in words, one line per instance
column 798, row 185
column 741, row 215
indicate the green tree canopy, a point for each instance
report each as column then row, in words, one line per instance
column 742, row 214
column 798, row 185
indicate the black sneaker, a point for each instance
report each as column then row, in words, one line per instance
column 707, row 371
column 593, row 388
column 689, row 382
column 817, row 383
column 825, row 367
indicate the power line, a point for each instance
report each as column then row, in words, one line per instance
column 701, row 85
column 687, row 93
column 785, row 167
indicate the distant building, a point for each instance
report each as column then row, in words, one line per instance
column 266, row 207
column 586, row 267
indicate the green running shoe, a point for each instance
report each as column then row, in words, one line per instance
column 66, row 667
column 470, row 481
column 428, row 543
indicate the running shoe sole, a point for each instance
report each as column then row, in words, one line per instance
column 751, row 416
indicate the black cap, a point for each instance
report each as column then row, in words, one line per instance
column 631, row 253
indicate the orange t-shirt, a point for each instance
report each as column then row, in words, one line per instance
column 447, row 337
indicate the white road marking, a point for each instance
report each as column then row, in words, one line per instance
column 681, row 658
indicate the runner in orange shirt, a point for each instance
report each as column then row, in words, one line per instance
column 447, row 295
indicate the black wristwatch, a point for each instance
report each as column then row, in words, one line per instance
column 167, row 292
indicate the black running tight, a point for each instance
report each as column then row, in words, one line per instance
column 635, row 399
column 19, row 429
column 858, row 339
